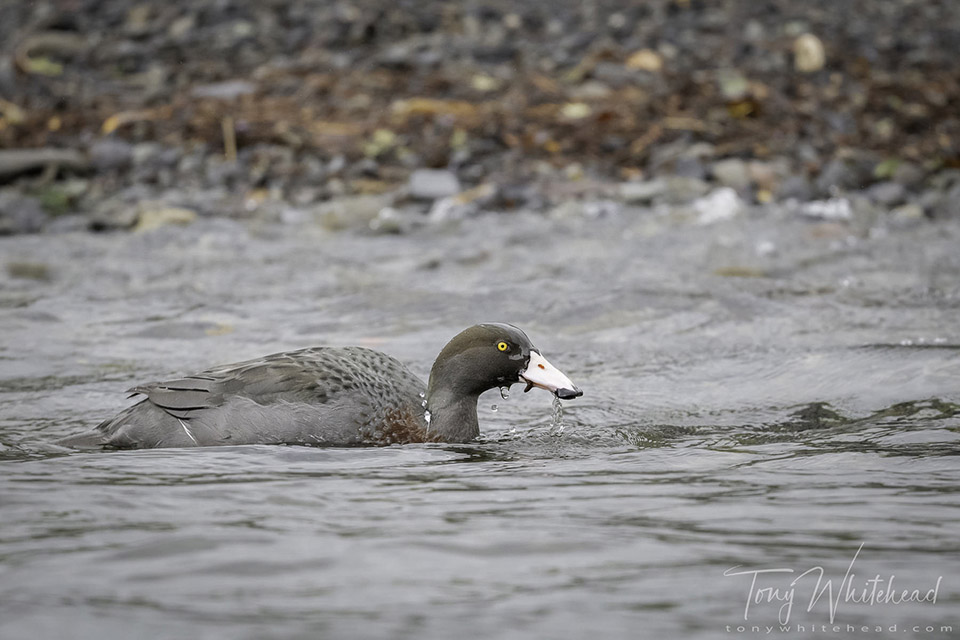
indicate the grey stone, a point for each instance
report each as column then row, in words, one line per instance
column 432, row 184
column 719, row 205
column 941, row 204
column 68, row 223
column 642, row 192
column 689, row 167
column 950, row 203
column 350, row 212
column 843, row 175
column 797, row 187
column 906, row 216
column 109, row 154
column 681, row 190
column 888, row 194
column 224, row 90
column 945, row 179
column 113, row 214
column 832, row 209
column 909, row 174
column 733, row 173
column 20, row 214
column 768, row 174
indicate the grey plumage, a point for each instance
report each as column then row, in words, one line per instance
column 322, row 396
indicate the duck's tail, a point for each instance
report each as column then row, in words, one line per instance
column 87, row 440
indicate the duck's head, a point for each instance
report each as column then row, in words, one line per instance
column 491, row 355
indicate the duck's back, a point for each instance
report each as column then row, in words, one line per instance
column 324, row 395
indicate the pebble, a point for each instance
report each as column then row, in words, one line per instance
column 906, row 216
column 909, row 174
column 150, row 219
column 642, row 192
column 110, row 154
column 20, row 214
column 351, row 212
column 887, row 194
column 433, row 184
column 393, row 221
column 224, row 90
column 833, row 209
column 719, row 205
column 843, row 175
column 681, row 190
column 689, row 167
column 733, row 173
column 808, row 53
column 796, row 187
column 645, row 60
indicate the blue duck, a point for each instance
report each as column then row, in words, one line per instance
column 333, row 396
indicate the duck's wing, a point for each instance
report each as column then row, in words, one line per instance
column 322, row 395
column 290, row 377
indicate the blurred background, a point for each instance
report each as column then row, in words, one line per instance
column 734, row 224
column 260, row 103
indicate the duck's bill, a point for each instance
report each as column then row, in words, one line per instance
column 540, row 373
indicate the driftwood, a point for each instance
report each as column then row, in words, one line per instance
column 16, row 161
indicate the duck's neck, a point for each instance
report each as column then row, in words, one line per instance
column 453, row 416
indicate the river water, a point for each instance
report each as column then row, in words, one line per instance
column 767, row 392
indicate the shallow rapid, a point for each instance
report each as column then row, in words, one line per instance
column 766, row 392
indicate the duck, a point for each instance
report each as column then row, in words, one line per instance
column 331, row 396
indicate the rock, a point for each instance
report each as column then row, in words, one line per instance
column 602, row 209
column 150, row 218
column 463, row 204
column 732, row 84
column 733, row 173
column 350, row 212
column 767, row 176
column 887, row 194
column 833, row 209
column 224, row 90
column 945, row 179
column 642, row 192
column 950, row 204
column 394, row 221
column 906, row 216
column 680, row 190
column 931, row 201
column 433, row 184
column 909, row 174
column 20, row 214
column 109, row 154
column 941, row 200
column 13, row 162
column 38, row 271
column 689, row 167
column 69, row 223
column 840, row 174
column 808, row 53
column 566, row 210
column 645, row 60
column 8, row 77
column 720, row 204
column 795, row 187
column 665, row 157
column 575, row 110
column 114, row 213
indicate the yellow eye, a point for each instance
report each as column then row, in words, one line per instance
column 502, row 346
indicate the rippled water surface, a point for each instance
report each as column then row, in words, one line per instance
column 765, row 393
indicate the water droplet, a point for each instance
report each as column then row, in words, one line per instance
column 504, row 392
column 557, row 418
column 426, row 416
column 493, row 408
